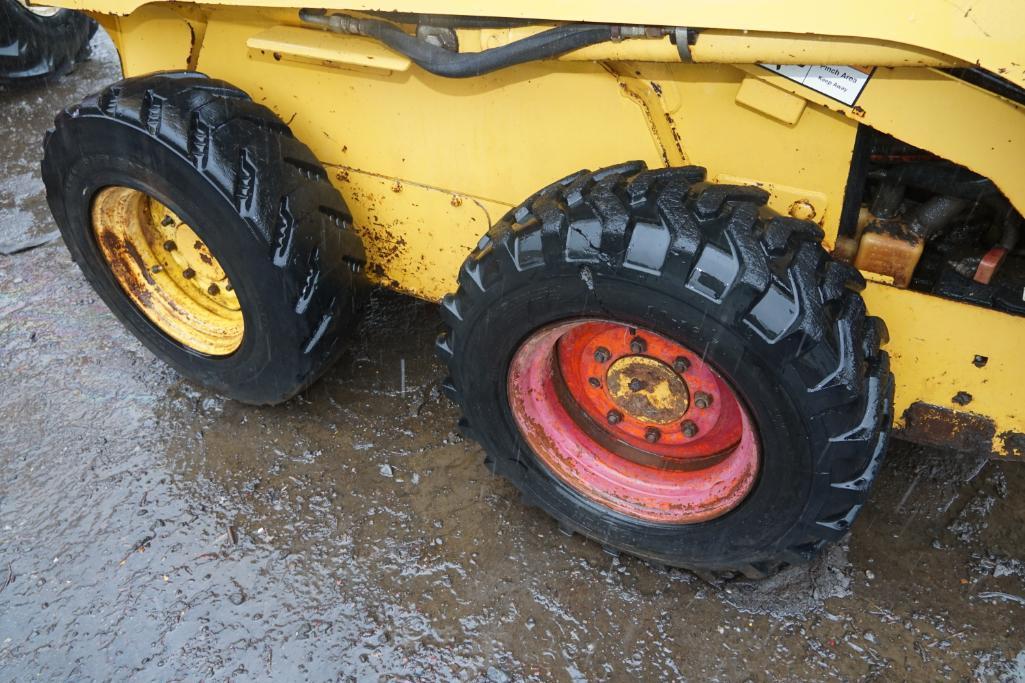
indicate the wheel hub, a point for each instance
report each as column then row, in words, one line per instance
column 167, row 271
column 633, row 420
column 647, row 389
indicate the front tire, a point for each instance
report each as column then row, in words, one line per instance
column 209, row 230
column 698, row 267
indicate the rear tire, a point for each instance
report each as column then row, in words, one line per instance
column 257, row 198
column 708, row 267
column 39, row 46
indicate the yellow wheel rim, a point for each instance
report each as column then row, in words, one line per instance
column 167, row 271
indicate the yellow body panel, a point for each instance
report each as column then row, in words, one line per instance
column 985, row 32
column 427, row 164
column 933, row 347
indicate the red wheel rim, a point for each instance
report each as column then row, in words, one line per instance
column 634, row 421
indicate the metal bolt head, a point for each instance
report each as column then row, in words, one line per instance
column 213, row 290
column 614, row 417
column 602, row 355
column 638, row 345
column 156, row 269
column 594, row 382
column 652, row 434
column 636, row 384
column 169, row 245
column 188, row 273
column 167, row 221
column 689, row 428
column 681, row 364
column 702, row 399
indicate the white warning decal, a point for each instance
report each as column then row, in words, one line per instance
column 842, row 83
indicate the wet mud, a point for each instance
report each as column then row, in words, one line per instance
column 151, row 530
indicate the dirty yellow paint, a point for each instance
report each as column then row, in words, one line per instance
column 318, row 47
column 933, row 347
column 427, row 164
column 777, row 103
column 397, row 220
column 984, row 33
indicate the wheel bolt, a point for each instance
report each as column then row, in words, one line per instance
column 188, row 273
column 167, row 221
column 681, row 364
column 636, row 384
column 689, row 428
column 594, row 382
column 702, row 400
column 155, row 269
column 614, row 417
column 213, row 290
column 638, row 345
column 652, row 434
column 169, row 245
column 602, row 355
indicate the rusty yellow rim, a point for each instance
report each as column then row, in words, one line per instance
column 167, row 271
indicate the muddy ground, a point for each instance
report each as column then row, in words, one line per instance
column 151, row 530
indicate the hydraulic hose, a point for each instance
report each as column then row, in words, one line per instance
column 442, row 62
column 945, row 179
column 934, row 215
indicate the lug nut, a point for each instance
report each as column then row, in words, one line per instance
column 652, row 434
column 213, row 290
column 681, row 364
column 167, row 221
column 638, row 345
column 594, row 382
column 636, row 384
column 689, row 428
column 702, row 400
column 169, row 245
column 614, row 417
column 188, row 273
column 602, row 355
column 156, row 269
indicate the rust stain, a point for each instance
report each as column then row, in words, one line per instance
column 934, row 425
column 1014, row 443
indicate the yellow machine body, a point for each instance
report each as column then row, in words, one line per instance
column 428, row 163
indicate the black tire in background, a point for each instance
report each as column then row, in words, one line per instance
column 38, row 46
column 261, row 201
column 782, row 320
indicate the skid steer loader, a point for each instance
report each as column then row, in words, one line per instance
column 678, row 353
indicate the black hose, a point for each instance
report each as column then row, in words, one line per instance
column 944, row 178
column 439, row 61
column 934, row 215
column 1011, row 231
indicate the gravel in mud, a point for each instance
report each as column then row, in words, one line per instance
column 151, row 530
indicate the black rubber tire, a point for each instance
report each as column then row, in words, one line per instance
column 253, row 193
column 35, row 47
column 710, row 267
